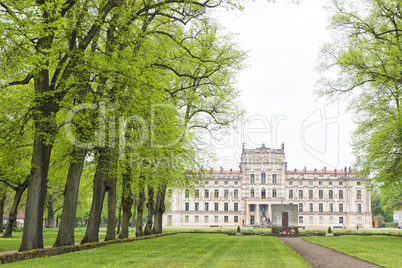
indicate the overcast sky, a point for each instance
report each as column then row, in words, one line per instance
column 278, row 88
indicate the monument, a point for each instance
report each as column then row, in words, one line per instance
column 284, row 218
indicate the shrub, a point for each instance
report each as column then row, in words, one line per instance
column 238, row 229
column 329, row 230
column 391, row 224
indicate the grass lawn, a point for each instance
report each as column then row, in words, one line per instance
column 49, row 237
column 383, row 250
column 181, row 250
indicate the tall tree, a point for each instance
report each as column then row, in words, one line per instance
column 363, row 62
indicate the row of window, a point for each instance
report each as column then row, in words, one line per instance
column 321, row 194
column 330, row 207
column 331, row 219
column 263, row 179
column 225, row 182
column 216, row 193
column 322, row 183
column 216, row 206
column 263, row 193
column 207, row 218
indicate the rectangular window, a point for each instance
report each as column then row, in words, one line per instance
column 197, row 193
column 274, row 179
column 236, row 207
column 300, row 193
column 310, row 183
column 252, row 181
column 300, row 219
column 252, row 193
column 236, row 193
column 340, row 219
column 320, row 183
column 187, row 206
column 226, row 219
column 300, row 183
column 236, row 218
column 359, row 183
column 216, row 193
column 331, row 183
column 216, row 219
column 311, row 219
column 236, row 182
column 321, row 219
column 252, row 207
column 187, row 193
column 186, row 218
column 340, row 194
column 206, row 193
column 359, row 194
column 226, row 206
column 320, row 207
column 206, row 182
column 331, row 207
column 331, row 194
column 300, row 207
column 359, row 220
column 359, row 208
column 291, row 183
column 263, row 178
column 341, row 183
column 252, row 221
column 290, row 193
column 206, row 206
column 197, row 206
column 206, row 219
column 196, row 218
column 310, row 194
column 320, row 194
column 331, row 219
column 216, row 182
column 273, row 193
column 310, row 207
column 226, row 182
column 226, row 193
column 216, row 206
column 340, row 207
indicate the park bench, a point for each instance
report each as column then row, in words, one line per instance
column 338, row 227
column 214, row 226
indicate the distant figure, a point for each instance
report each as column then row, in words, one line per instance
column 357, row 226
column 263, row 212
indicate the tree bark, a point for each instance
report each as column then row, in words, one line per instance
column 50, row 212
column 119, row 220
column 8, row 232
column 111, row 197
column 65, row 236
column 2, row 203
column 140, row 207
column 159, row 209
column 151, row 209
column 126, row 202
column 134, row 209
column 99, row 190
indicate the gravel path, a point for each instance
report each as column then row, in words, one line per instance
column 320, row 256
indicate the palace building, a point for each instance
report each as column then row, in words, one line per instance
column 229, row 198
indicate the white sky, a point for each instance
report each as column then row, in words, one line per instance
column 278, row 87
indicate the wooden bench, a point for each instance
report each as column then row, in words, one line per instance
column 338, row 227
column 214, row 226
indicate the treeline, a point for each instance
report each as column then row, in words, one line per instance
column 112, row 90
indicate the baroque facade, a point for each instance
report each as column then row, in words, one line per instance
column 228, row 198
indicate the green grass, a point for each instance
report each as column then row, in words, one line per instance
column 382, row 250
column 49, row 237
column 181, row 250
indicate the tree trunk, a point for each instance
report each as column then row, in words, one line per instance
column 8, row 232
column 50, row 212
column 151, row 209
column 159, row 209
column 134, row 209
column 2, row 203
column 140, row 207
column 111, row 197
column 65, row 236
column 99, row 190
column 119, row 220
column 126, row 202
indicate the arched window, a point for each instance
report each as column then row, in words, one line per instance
column 263, row 194
column 274, row 193
column 252, row 193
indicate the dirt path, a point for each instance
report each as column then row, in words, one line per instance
column 319, row 256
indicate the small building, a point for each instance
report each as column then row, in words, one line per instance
column 19, row 223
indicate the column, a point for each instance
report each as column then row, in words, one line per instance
column 257, row 214
column 247, row 219
column 270, row 212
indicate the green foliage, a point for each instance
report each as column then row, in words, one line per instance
column 238, row 229
column 329, row 230
column 363, row 63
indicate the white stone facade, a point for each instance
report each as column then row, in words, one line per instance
column 240, row 197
